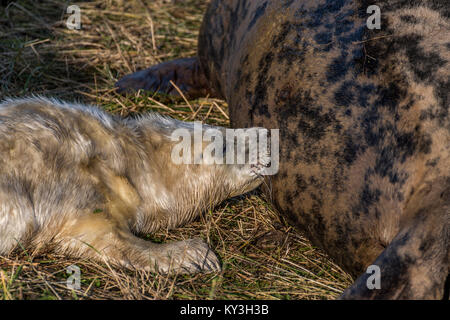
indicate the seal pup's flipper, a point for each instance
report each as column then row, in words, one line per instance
column 101, row 239
column 185, row 73
column 415, row 265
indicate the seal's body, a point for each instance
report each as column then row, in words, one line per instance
column 364, row 122
column 81, row 182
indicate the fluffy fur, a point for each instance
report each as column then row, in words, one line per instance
column 81, row 182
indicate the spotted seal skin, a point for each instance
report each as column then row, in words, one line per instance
column 364, row 127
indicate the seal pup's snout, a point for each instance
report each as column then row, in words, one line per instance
column 258, row 151
column 251, row 157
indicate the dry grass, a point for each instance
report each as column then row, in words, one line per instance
column 263, row 258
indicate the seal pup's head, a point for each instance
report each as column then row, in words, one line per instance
column 197, row 166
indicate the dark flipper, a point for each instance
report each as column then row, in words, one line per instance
column 416, row 263
column 185, row 73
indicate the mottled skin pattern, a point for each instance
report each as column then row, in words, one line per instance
column 364, row 126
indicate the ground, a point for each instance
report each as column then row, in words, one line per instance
column 262, row 256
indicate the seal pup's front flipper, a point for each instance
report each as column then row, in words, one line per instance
column 101, row 238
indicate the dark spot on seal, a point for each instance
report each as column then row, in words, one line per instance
column 300, row 183
column 424, row 64
column 313, row 122
column 258, row 13
column 325, row 40
column 323, row 37
column 432, row 162
column 367, row 198
column 260, row 92
column 281, row 36
column 344, row 96
column 390, row 96
column 287, row 3
column 408, row 19
column 344, row 26
column 442, row 92
column 291, row 55
column 337, row 68
column 355, row 36
column 351, row 150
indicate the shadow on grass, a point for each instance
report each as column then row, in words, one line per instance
column 30, row 52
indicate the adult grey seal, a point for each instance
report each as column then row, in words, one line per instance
column 364, row 123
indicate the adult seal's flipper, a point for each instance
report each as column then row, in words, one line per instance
column 416, row 263
column 185, row 73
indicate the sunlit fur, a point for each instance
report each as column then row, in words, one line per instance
column 82, row 182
